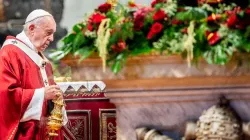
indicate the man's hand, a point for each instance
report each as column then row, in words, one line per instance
column 51, row 92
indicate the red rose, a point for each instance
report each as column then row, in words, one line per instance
column 159, row 15
column 214, row 17
column 122, row 45
column 241, row 24
column 212, row 38
column 115, row 48
column 119, row 47
column 104, row 8
column 153, row 3
column 184, row 30
column 155, row 29
column 97, row 18
column 231, row 21
column 150, row 35
column 247, row 11
column 138, row 25
column 90, row 27
column 176, row 22
column 138, row 22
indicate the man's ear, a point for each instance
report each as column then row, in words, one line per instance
column 31, row 27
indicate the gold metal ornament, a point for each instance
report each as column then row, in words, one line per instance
column 55, row 120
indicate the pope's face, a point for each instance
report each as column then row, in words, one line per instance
column 43, row 33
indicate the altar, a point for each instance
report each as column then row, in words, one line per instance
column 119, row 108
column 170, row 73
column 89, row 111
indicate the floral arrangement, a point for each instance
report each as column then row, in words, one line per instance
column 210, row 29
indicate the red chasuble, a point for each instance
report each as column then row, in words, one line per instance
column 19, row 77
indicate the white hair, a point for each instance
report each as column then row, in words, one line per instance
column 36, row 22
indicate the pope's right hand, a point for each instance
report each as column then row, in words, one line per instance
column 51, row 92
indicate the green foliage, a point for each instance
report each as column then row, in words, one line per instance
column 84, row 52
column 200, row 33
column 69, row 39
column 126, row 32
column 118, row 61
column 78, row 41
column 170, row 7
column 218, row 55
column 171, row 42
column 192, row 13
column 141, row 50
column 140, row 45
column 215, row 37
column 116, row 67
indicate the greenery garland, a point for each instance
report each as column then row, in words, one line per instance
column 211, row 29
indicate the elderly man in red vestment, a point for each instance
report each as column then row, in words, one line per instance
column 26, row 78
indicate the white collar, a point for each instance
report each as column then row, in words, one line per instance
column 23, row 37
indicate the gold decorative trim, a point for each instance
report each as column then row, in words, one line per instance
column 107, row 110
column 86, row 99
column 83, row 94
column 62, row 79
column 89, row 120
column 102, row 122
column 65, row 136
column 106, row 127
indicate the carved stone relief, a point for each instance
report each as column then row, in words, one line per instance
column 147, row 134
column 219, row 122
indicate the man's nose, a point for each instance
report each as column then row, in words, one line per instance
column 51, row 38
